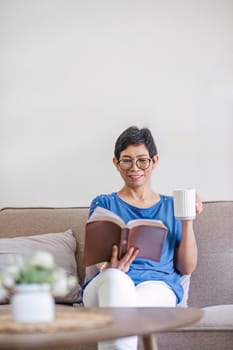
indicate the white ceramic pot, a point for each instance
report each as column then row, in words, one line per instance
column 33, row 303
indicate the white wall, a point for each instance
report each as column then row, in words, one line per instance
column 74, row 74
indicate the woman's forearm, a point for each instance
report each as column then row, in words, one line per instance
column 186, row 254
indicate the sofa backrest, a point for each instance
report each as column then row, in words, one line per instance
column 212, row 281
column 31, row 221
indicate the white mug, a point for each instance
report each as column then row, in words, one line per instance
column 185, row 204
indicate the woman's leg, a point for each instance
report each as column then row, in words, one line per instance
column 112, row 288
column 155, row 294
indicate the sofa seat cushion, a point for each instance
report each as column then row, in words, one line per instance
column 217, row 317
column 62, row 245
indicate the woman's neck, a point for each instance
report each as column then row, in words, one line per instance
column 141, row 198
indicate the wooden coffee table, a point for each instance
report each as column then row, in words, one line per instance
column 144, row 322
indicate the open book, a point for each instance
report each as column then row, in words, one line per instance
column 104, row 229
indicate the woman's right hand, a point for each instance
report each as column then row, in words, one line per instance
column 124, row 263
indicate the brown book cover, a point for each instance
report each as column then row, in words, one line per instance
column 104, row 229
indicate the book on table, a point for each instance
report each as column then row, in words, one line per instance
column 105, row 229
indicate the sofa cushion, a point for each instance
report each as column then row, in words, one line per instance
column 217, row 317
column 62, row 245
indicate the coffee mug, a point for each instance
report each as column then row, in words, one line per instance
column 185, row 204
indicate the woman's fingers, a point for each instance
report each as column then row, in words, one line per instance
column 133, row 255
column 124, row 263
column 199, row 205
column 114, row 257
column 114, row 253
column 130, row 255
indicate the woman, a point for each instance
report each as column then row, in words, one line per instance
column 133, row 281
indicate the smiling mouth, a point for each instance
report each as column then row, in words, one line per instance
column 135, row 177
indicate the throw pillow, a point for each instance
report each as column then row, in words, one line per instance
column 61, row 245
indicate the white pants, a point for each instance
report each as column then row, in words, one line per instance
column 114, row 288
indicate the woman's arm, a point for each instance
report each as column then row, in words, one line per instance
column 186, row 253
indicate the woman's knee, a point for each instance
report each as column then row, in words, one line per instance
column 116, row 276
column 111, row 286
column 116, row 289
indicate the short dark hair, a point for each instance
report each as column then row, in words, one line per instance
column 135, row 136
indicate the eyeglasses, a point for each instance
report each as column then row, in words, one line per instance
column 142, row 163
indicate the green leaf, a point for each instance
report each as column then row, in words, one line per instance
column 35, row 274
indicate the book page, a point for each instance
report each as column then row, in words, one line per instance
column 145, row 222
column 102, row 214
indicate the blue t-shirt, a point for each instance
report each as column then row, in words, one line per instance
column 143, row 269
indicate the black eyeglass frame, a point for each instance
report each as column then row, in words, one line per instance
column 134, row 162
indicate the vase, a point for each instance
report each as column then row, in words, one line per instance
column 33, row 303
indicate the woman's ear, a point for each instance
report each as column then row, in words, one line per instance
column 115, row 162
column 155, row 161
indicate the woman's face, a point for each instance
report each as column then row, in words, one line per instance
column 135, row 175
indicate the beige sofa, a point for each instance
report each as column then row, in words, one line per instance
column 211, row 284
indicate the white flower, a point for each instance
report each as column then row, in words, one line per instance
column 63, row 283
column 8, row 281
column 8, row 277
column 43, row 259
column 3, row 292
column 12, row 270
column 60, row 286
column 71, row 281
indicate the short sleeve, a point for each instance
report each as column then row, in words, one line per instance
column 96, row 202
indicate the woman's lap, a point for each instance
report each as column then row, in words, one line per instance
column 113, row 287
